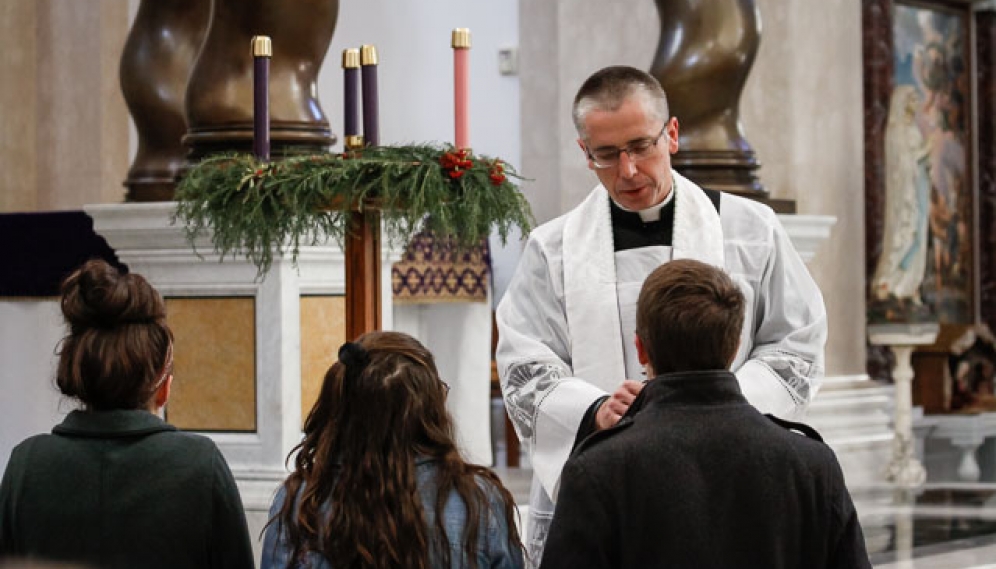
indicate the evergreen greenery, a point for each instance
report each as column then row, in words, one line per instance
column 257, row 208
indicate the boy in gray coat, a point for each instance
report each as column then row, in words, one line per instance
column 693, row 475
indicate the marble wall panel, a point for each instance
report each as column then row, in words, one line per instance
column 323, row 330
column 214, row 382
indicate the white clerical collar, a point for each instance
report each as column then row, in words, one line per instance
column 652, row 213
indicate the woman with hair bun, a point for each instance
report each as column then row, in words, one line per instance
column 114, row 486
column 378, row 482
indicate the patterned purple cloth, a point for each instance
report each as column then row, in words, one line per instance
column 434, row 270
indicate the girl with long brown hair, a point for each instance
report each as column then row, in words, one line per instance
column 378, row 481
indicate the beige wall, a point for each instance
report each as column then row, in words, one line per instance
column 63, row 121
column 802, row 111
column 18, row 128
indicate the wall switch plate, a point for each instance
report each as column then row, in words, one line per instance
column 508, row 61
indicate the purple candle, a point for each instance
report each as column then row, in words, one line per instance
column 262, row 51
column 351, row 98
column 368, row 65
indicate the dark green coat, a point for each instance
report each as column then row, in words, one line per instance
column 122, row 489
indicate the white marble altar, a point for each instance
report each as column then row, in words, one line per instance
column 145, row 238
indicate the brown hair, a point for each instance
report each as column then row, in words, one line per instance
column 689, row 316
column 608, row 88
column 353, row 493
column 117, row 346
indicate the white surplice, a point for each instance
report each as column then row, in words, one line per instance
column 567, row 321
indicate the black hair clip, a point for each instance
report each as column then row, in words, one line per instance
column 354, row 357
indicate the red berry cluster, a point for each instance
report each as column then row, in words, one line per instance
column 497, row 173
column 456, row 163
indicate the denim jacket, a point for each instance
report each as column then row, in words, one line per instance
column 493, row 550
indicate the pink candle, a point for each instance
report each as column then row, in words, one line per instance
column 461, row 86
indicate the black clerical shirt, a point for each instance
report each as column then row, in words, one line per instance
column 629, row 231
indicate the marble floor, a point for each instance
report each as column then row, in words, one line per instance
column 939, row 526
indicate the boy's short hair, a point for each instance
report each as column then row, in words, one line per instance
column 689, row 317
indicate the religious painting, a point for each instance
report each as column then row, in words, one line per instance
column 925, row 268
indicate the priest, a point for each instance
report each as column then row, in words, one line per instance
column 566, row 323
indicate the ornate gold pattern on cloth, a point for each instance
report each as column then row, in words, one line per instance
column 435, row 270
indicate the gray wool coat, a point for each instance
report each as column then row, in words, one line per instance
column 695, row 477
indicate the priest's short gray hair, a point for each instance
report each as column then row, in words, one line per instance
column 609, row 87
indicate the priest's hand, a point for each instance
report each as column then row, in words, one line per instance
column 616, row 405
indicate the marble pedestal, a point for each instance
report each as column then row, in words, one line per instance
column 905, row 468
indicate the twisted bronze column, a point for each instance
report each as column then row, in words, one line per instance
column 705, row 53
column 160, row 51
column 219, row 102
